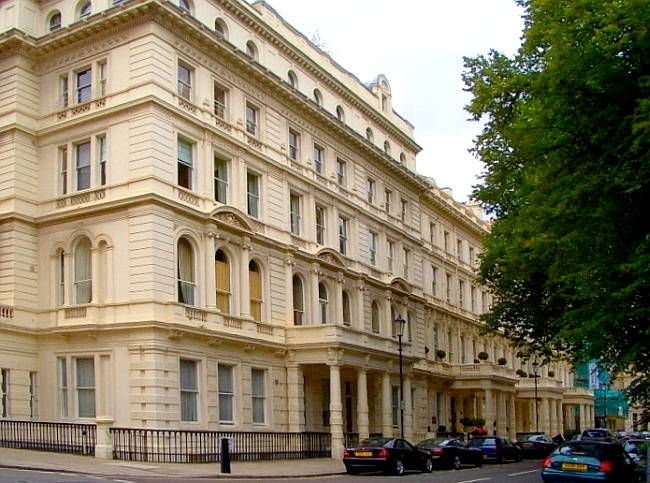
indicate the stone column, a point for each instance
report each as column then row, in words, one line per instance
column 313, row 286
column 502, row 420
column 337, row 313
column 359, row 317
column 512, row 417
column 582, row 417
column 295, row 398
column 363, row 424
column 387, row 330
column 288, row 281
column 210, row 276
column 408, row 409
column 555, row 418
column 336, row 412
column 545, row 420
column 109, row 275
column 488, row 413
column 104, row 441
column 244, row 281
column 94, row 283
column 386, row 415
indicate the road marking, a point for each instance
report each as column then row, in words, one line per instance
column 522, row 473
column 472, row 481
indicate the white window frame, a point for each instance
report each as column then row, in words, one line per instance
column 259, row 398
column 372, row 247
column 295, row 210
column 5, row 388
column 343, row 235
column 319, row 158
column 102, row 160
column 184, row 85
column 341, row 172
column 406, row 255
column 80, row 169
column 390, row 256
column 79, row 389
column 185, row 164
column 221, row 183
column 293, row 143
column 83, row 92
column 252, row 116
column 253, row 199
column 220, row 94
column 321, row 229
column 225, row 395
column 189, row 388
column 371, row 190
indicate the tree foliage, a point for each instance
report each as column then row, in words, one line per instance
column 567, row 178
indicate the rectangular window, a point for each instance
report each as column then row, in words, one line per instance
column 253, row 194
column 461, row 292
column 395, row 405
column 483, row 302
column 446, row 240
column 259, row 396
column 402, row 210
column 85, row 370
column 432, row 234
column 459, row 249
column 84, row 85
column 184, row 81
column 185, row 164
column 189, row 390
column 473, row 298
column 220, row 95
column 405, row 261
column 372, row 248
column 294, row 144
column 64, row 92
column 319, row 159
column 252, row 115
column 320, row 225
column 343, row 236
column 388, row 199
column 32, row 395
column 390, row 255
column 220, row 180
column 62, row 364
column 4, row 392
column 101, row 159
column 102, row 74
column 340, row 172
column 63, row 170
column 448, row 286
column 226, row 394
column 434, row 281
column 82, row 162
column 471, row 260
column 61, row 277
column 371, row 190
column 294, row 213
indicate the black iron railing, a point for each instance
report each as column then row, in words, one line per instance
column 48, row 436
column 184, row 446
column 351, row 439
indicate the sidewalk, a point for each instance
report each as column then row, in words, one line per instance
column 44, row 461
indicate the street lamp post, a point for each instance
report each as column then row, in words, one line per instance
column 400, row 323
column 535, row 371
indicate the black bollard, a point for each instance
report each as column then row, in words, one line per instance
column 225, row 456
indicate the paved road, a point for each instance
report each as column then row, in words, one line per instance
column 24, row 476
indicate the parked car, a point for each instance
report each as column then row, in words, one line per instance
column 496, row 448
column 598, row 434
column 589, row 461
column 451, row 453
column 388, row 455
column 632, row 446
column 535, row 446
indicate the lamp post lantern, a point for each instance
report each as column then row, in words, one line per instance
column 535, row 372
column 400, row 323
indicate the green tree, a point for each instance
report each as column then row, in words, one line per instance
column 567, row 180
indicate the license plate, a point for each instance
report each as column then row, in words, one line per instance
column 364, row 454
column 574, row 467
column 527, row 445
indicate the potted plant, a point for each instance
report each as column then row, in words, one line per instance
column 483, row 356
column 441, row 354
column 532, row 375
column 502, row 361
column 551, row 374
column 476, row 361
column 521, row 373
column 467, row 422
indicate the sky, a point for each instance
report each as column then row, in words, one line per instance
column 419, row 46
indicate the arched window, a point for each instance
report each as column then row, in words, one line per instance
column 347, row 315
column 83, row 273
column 185, row 5
column 186, row 274
column 402, row 158
column 340, row 113
column 85, row 10
column 322, row 302
column 60, row 277
column 220, row 28
column 374, row 313
column 251, row 50
column 298, row 301
column 318, row 97
column 387, row 148
column 222, row 276
column 55, row 22
column 255, row 281
column 292, row 78
column 370, row 136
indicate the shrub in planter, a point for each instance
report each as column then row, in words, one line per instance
column 479, row 422
column 467, row 421
column 441, row 354
column 502, row 361
column 531, row 375
column 476, row 361
column 551, row 374
column 521, row 373
column 483, row 356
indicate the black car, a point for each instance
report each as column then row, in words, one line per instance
column 386, row 454
column 535, row 446
column 451, row 453
column 598, row 435
column 496, row 449
column 633, row 447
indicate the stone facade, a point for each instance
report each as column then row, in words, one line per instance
column 207, row 223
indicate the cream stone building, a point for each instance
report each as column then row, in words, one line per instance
column 206, row 222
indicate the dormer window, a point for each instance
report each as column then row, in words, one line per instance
column 340, row 113
column 220, row 28
column 370, row 135
column 318, row 97
column 55, row 22
column 85, row 10
column 251, row 50
column 185, row 5
column 292, row 79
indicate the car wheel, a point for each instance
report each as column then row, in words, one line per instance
column 398, row 467
column 428, row 466
column 352, row 471
column 500, row 459
column 518, row 456
column 479, row 461
column 455, row 463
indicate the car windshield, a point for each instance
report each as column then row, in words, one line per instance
column 478, row 442
column 374, row 442
column 595, row 433
column 530, row 437
column 430, row 443
column 582, row 449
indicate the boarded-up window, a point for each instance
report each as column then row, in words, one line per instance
column 255, row 290
column 222, row 274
